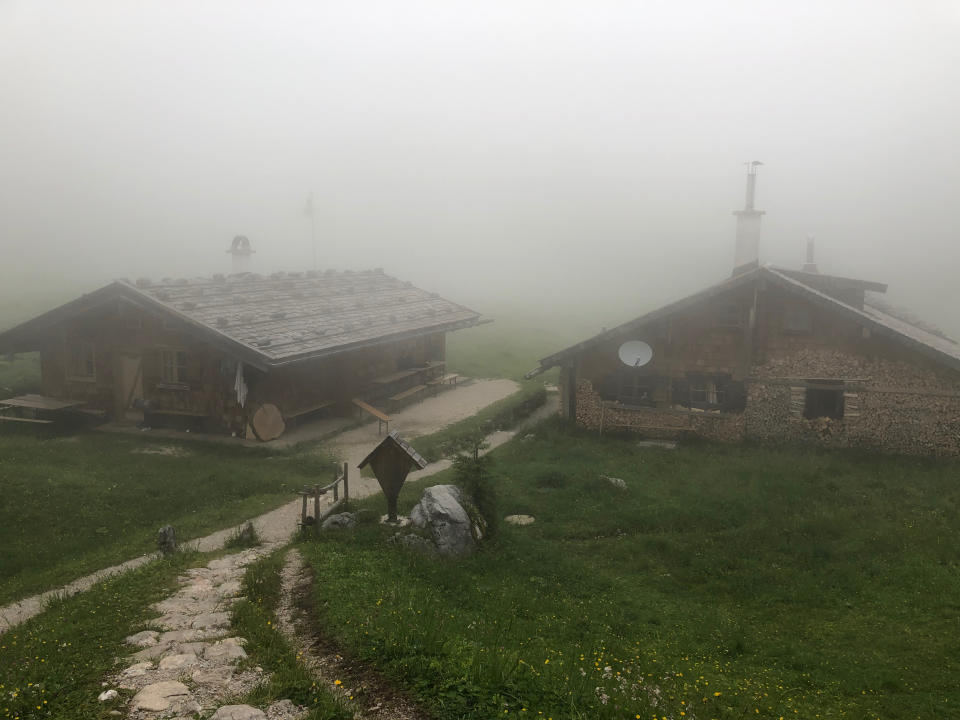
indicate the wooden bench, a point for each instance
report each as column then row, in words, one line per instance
column 380, row 416
column 449, row 379
column 11, row 418
column 407, row 394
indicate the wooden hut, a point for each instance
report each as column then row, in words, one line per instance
column 772, row 354
column 210, row 353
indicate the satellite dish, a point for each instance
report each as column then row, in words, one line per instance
column 635, row 353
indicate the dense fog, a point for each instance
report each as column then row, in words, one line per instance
column 543, row 156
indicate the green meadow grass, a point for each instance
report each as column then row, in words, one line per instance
column 52, row 665
column 725, row 582
column 509, row 347
column 255, row 619
column 76, row 504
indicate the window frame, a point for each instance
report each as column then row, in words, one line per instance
column 636, row 388
column 75, row 356
column 814, row 399
column 179, row 364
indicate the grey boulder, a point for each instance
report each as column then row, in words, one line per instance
column 442, row 511
column 340, row 521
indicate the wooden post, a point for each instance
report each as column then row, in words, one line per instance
column 316, row 507
column 303, row 510
column 346, row 482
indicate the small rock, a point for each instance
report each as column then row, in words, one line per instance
column 285, row 710
column 138, row 669
column 181, row 636
column 143, row 639
column 238, row 712
column 519, row 519
column 207, row 621
column 173, row 621
column 340, row 521
column 174, row 662
column 224, row 651
column 167, row 540
column 213, row 676
column 196, row 648
column 160, row 696
column 151, row 653
column 107, row 696
column 618, row 483
column 231, row 587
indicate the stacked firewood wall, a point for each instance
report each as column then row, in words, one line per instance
column 892, row 405
column 654, row 422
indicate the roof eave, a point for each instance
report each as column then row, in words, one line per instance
column 373, row 342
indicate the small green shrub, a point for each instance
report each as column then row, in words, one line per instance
column 244, row 536
column 472, row 475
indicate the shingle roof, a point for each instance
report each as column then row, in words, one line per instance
column 282, row 318
column 937, row 346
column 293, row 315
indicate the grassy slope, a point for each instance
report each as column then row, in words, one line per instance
column 77, row 504
column 739, row 581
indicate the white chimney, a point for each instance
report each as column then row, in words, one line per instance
column 241, row 251
column 810, row 265
column 747, row 251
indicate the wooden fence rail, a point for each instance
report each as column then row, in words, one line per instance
column 343, row 476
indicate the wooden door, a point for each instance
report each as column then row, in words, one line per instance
column 130, row 388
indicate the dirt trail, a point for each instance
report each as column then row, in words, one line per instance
column 371, row 696
column 277, row 526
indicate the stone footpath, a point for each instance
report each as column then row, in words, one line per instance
column 190, row 665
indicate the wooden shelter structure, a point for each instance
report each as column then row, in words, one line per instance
column 392, row 460
column 243, row 354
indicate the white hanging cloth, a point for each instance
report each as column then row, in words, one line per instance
column 240, row 386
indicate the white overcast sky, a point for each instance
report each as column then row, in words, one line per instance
column 542, row 152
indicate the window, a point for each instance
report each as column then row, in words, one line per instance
column 706, row 391
column 824, row 402
column 173, row 366
column 710, row 392
column 635, row 388
column 81, row 359
column 797, row 319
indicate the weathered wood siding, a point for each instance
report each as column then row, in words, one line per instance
column 207, row 391
column 338, row 379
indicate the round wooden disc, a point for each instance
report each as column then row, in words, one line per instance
column 267, row 422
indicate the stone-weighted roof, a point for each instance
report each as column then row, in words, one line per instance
column 294, row 315
column 275, row 320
